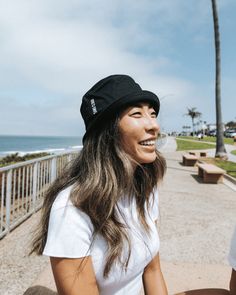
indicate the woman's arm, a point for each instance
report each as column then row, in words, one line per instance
column 153, row 281
column 74, row 276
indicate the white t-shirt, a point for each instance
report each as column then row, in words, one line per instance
column 70, row 234
column 232, row 252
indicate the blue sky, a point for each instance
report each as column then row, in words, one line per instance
column 52, row 52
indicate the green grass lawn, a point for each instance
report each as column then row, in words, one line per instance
column 233, row 152
column 229, row 166
column 183, row 145
column 15, row 158
column 209, row 139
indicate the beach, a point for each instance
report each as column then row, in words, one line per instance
column 195, row 225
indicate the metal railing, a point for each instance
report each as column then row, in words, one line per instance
column 23, row 185
column 162, row 140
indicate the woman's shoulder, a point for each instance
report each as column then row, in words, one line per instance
column 63, row 207
column 63, row 198
column 70, row 230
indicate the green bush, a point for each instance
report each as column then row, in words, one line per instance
column 15, row 158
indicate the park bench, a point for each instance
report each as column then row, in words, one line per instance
column 189, row 160
column 202, row 154
column 210, row 173
column 192, row 153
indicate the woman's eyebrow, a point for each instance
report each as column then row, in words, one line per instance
column 140, row 105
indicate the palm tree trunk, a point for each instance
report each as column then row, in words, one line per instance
column 193, row 126
column 220, row 148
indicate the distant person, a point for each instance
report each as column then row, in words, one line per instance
column 99, row 217
column 200, row 136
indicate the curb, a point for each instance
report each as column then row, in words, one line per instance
column 230, row 178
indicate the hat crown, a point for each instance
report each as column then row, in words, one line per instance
column 105, row 92
column 115, row 86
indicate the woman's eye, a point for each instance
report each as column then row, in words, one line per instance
column 154, row 114
column 136, row 114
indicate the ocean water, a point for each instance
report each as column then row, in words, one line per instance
column 32, row 144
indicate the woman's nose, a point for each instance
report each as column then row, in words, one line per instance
column 152, row 124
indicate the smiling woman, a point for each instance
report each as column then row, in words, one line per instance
column 99, row 217
column 139, row 129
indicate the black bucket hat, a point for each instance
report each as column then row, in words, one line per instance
column 108, row 96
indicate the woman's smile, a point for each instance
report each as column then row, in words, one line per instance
column 147, row 142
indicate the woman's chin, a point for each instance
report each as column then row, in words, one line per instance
column 147, row 159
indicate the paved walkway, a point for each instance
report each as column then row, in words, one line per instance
column 196, row 224
column 197, row 221
column 170, row 145
column 18, row 270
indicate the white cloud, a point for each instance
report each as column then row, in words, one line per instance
column 60, row 49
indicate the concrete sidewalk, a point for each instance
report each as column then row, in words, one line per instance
column 196, row 224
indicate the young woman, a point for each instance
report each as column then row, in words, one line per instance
column 99, row 218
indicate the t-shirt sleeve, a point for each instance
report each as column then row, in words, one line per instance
column 70, row 230
column 232, row 252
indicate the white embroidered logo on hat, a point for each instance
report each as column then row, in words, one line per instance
column 93, row 105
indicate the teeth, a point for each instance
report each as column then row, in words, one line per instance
column 148, row 142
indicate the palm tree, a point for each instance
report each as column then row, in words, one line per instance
column 220, row 148
column 193, row 114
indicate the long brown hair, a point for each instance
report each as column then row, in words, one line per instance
column 100, row 175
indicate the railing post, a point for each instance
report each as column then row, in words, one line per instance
column 8, row 199
column 35, row 177
column 53, row 169
column 69, row 158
